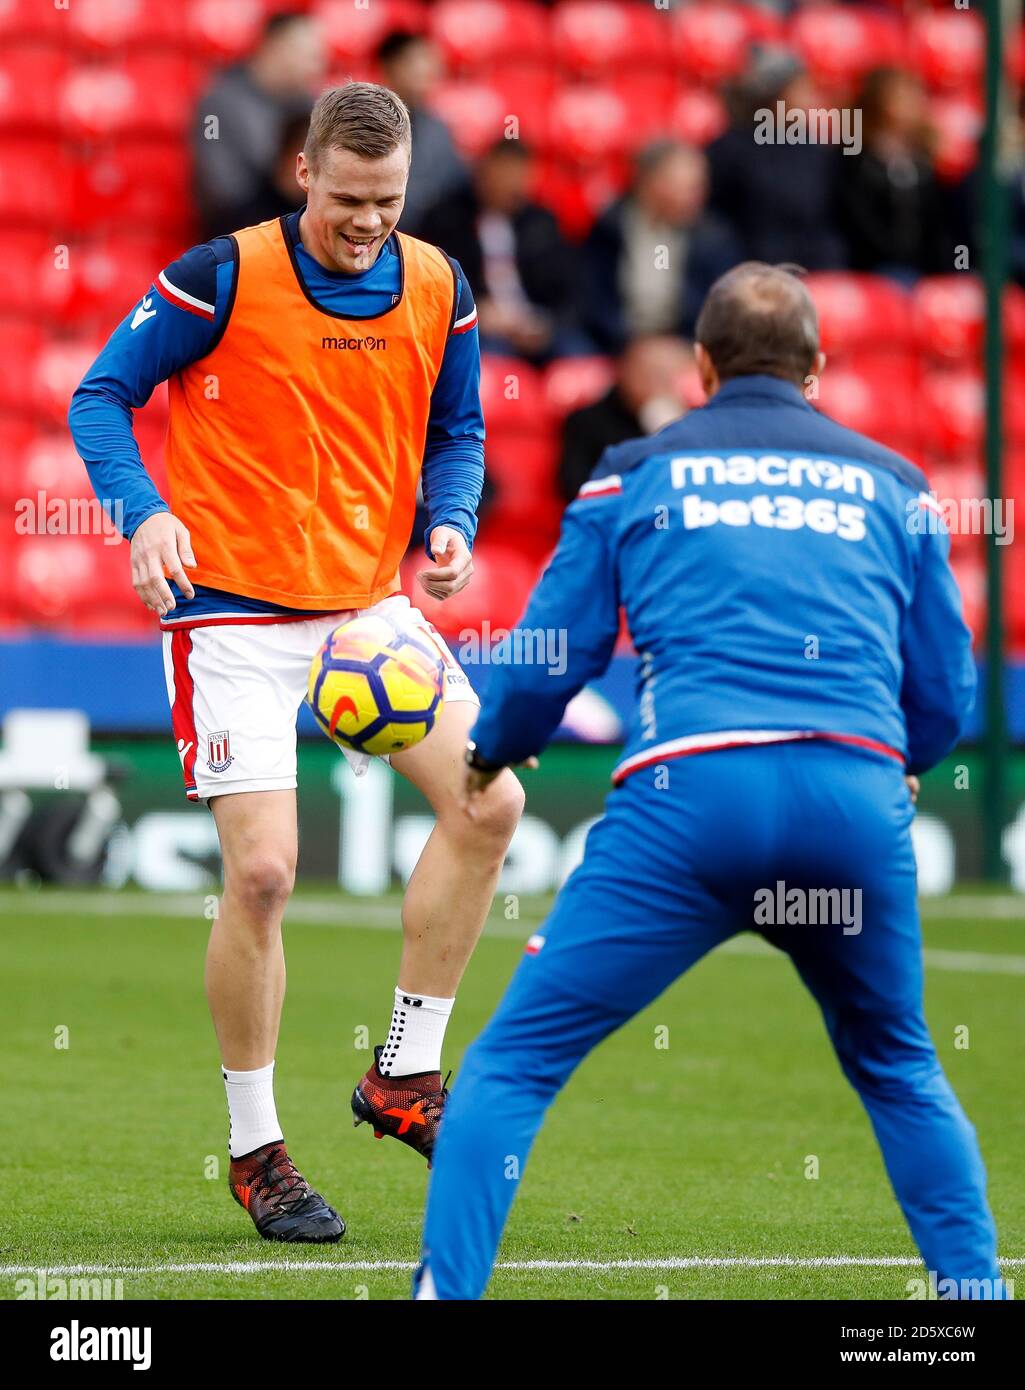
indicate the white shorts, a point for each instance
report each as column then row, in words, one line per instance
column 235, row 690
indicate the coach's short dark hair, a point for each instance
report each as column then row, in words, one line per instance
column 396, row 43
column 362, row 117
column 759, row 319
column 280, row 20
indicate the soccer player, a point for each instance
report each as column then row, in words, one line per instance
column 802, row 650
column 315, row 365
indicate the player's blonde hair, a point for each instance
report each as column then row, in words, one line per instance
column 362, row 117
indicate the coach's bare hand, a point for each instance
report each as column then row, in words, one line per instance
column 913, row 787
column 476, row 783
column 453, row 564
column 160, row 547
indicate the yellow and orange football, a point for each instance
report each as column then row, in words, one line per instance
column 376, row 688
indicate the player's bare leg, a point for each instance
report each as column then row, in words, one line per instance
column 245, row 986
column 245, row 962
column 452, row 887
column 447, row 900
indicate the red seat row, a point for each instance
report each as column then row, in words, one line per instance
column 146, row 95
column 706, row 41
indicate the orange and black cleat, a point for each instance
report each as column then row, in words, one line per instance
column 279, row 1199
column 406, row 1108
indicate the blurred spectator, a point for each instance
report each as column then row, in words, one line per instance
column 252, row 103
column 891, row 209
column 652, row 256
column 780, row 199
column 649, row 391
column 279, row 193
column 519, row 267
column 411, row 65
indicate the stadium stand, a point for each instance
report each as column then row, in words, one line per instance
column 90, row 210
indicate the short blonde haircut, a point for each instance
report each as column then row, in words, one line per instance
column 362, row 117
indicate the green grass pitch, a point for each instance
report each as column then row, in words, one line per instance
column 695, row 1152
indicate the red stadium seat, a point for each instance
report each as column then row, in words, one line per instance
column 100, row 283
column 474, row 111
column 970, row 572
column 1014, row 403
column 78, row 583
column 511, row 396
column 354, row 32
column 22, row 255
column 143, row 183
column 649, row 98
column 577, row 193
column 150, row 94
column 59, row 367
column 527, row 92
column 948, row 47
column 29, row 76
column 953, row 410
column 28, row 19
column 522, row 468
column 877, row 398
column 51, row 465
column 1014, row 320
column 594, row 36
column 573, row 382
column 840, row 43
column 224, row 31
column 480, row 34
column 952, row 404
column 712, row 41
column 859, row 313
column 698, row 115
column 956, row 482
column 949, row 312
column 51, row 575
column 502, row 581
column 21, row 344
column 33, row 183
column 591, row 123
column 958, row 120
column 105, row 26
column 16, row 436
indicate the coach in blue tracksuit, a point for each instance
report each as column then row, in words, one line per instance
column 802, row 652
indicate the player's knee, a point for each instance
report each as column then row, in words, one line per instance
column 497, row 813
column 262, row 883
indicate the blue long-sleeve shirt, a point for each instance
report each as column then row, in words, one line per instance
column 177, row 322
column 781, row 576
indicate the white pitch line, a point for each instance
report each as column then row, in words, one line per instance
column 387, row 917
column 965, row 962
column 523, row 1266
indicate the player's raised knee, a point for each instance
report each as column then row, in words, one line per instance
column 497, row 813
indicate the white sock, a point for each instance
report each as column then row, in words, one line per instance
column 252, row 1115
column 417, row 1032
